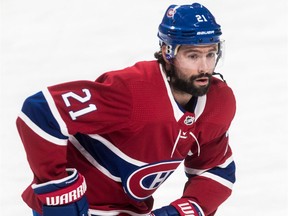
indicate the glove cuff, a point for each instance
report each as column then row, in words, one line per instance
column 187, row 207
column 55, row 194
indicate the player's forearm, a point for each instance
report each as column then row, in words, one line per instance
column 44, row 143
column 47, row 160
column 211, row 176
column 208, row 193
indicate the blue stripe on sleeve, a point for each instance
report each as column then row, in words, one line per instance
column 227, row 173
column 38, row 111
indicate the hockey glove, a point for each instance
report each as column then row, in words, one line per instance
column 63, row 197
column 180, row 207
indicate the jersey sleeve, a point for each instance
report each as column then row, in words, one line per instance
column 50, row 117
column 211, row 173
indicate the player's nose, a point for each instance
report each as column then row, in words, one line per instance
column 204, row 66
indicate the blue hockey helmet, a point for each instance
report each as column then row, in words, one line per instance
column 188, row 25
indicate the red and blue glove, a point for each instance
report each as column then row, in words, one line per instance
column 180, row 207
column 63, row 197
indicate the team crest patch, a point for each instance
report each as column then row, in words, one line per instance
column 143, row 182
column 189, row 120
column 171, row 12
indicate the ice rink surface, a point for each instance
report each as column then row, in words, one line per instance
column 49, row 42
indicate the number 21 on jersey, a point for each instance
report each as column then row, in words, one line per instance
column 82, row 99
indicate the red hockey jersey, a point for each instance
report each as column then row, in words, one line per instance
column 126, row 134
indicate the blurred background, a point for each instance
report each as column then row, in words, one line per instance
column 48, row 42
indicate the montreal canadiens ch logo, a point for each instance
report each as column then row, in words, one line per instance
column 171, row 12
column 143, row 182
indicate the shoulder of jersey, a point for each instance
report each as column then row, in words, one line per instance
column 138, row 71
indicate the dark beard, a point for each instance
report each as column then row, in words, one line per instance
column 188, row 84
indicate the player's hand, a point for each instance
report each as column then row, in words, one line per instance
column 180, row 207
column 63, row 197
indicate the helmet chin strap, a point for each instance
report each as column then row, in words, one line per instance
column 218, row 58
column 222, row 77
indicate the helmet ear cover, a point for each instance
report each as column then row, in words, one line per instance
column 171, row 51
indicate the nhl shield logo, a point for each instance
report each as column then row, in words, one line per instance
column 189, row 120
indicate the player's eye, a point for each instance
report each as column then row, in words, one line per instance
column 211, row 55
column 193, row 56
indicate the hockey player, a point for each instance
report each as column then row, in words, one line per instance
column 103, row 147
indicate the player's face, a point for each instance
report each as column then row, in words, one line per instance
column 192, row 69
